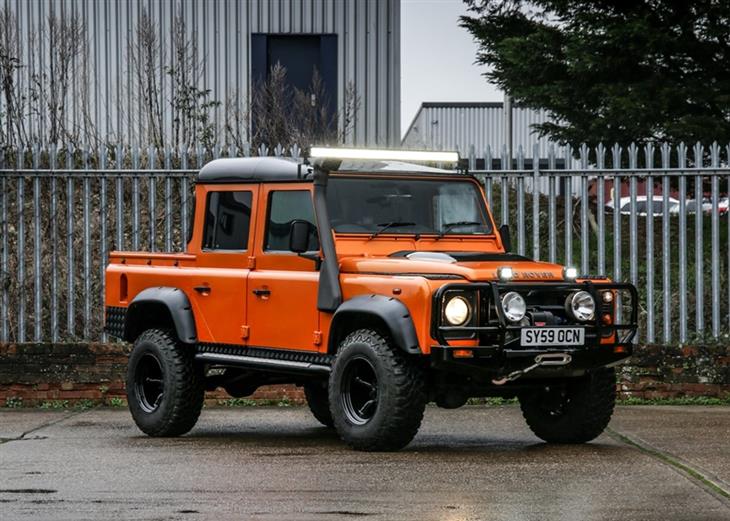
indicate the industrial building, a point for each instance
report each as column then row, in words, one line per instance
column 458, row 125
column 233, row 44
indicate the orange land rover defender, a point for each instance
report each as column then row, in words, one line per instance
column 378, row 286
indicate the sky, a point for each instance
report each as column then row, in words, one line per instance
column 437, row 58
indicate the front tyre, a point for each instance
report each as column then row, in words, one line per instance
column 165, row 388
column 574, row 413
column 377, row 395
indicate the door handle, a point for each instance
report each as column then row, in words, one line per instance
column 262, row 292
column 203, row 290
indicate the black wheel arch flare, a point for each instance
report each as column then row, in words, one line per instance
column 153, row 305
column 389, row 311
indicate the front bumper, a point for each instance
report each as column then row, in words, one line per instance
column 495, row 347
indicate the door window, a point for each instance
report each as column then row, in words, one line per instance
column 286, row 206
column 227, row 221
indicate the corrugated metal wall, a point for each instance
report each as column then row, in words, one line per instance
column 368, row 54
column 459, row 125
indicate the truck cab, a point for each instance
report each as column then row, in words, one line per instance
column 376, row 284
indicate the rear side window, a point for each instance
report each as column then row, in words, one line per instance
column 286, row 206
column 227, row 221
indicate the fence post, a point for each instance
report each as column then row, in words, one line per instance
column 568, row 202
column 488, row 177
column 727, row 151
column 601, row 208
column 103, row 247
column 152, row 198
column 53, row 217
column 168, row 200
column 699, row 232
column 616, row 153
column 87, row 245
column 649, row 158
column 70, row 251
column 184, row 198
column 135, row 198
column 20, row 161
column 504, row 201
column 120, row 197
column 682, row 226
column 37, row 246
column 666, row 252
column 584, row 238
column 552, row 207
column 4, row 275
column 535, row 201
column 715, row 241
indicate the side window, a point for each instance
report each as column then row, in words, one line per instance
column 227, row 221
column 286, row 206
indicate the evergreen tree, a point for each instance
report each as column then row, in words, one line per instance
column 645, row 70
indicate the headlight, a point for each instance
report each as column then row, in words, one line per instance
column 607, row 296
column 457, row 311
column 581, row 306
column 514, row 306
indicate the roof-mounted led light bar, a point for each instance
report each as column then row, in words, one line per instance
column 383, row 155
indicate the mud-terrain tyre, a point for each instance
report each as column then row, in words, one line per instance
column 319, row 403
column 165, row 388
column 377, row 394
column 577, row 413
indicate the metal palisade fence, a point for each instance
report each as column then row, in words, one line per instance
column 666, row 230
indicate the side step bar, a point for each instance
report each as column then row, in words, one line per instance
column 265, row 364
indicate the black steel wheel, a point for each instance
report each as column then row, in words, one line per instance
column 359, row 390
column 376, row 393
column 573, row 411
column 165, row 389
column 149, row 382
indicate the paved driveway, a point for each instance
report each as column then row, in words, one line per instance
column 656, row 463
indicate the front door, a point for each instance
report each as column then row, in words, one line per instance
column 282, row 288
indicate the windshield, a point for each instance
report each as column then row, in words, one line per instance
column 406, row 206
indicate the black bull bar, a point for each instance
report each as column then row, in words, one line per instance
column 503, row 350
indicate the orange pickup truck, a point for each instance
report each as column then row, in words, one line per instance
column 378, row 286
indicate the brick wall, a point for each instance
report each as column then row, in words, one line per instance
column 33, row 374
column 657, row 371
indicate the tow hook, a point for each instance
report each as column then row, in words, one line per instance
column 544, row 360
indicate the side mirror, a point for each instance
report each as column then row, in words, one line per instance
column 505, row 236
column 299, row 234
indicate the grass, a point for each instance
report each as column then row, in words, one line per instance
column 54, row 405
column 684, row 400
column 13, row 402
column 247, row 402
column 116, row 403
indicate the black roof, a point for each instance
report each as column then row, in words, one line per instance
column 254, row 170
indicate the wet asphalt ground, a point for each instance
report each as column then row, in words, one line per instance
column 655, row 463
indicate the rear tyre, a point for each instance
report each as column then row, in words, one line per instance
column 165, row 388
column 377, row 395
column 575, row 413
column 319, row 403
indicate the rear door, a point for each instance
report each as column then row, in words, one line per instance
column 282, row 288
column 218, row 286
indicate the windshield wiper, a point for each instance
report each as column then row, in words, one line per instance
column 447, row 227
column 391, row 224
